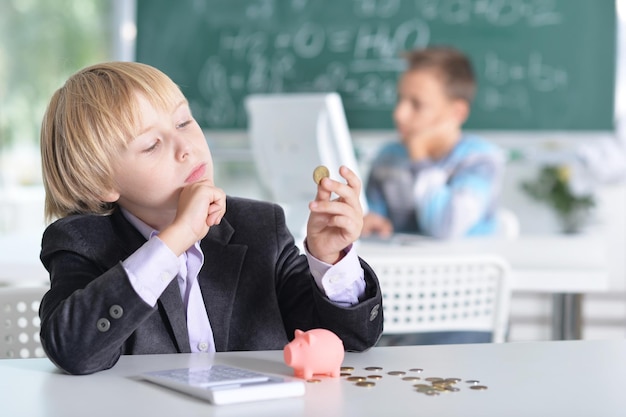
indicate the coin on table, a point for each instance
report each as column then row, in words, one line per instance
column 346, row 368
column 367, row 384
column 473, row 381
column 314, row 381
column 411, row 378
column 416, row 370
column 356, row 378
column 396, row 373
column 373, row 368
column 375, row 376
column 479, row 387
column 319, row 173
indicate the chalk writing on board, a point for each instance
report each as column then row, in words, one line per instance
column 536, row 67
column 498, row 13
column 368, row 80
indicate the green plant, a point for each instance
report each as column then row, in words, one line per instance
column 552, row 186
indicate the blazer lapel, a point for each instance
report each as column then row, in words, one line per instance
column 170, row 301
column 219, row 278
column 172, row 304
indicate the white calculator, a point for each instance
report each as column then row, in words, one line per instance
column 224, row 384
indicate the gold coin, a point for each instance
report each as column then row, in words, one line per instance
column 452, row 389
column 411, row 378
column 427, row 391
column 416, row 370
column 479, row 387
column 473, row 381
column 375, row 376
column 314, row 381
column 433, row 379
column 396, row 373
column 423, row 386
column 319, row 173
column 347, row 369
column 373, row 368
column 365, row 384
column 345, row 374
column 356, row 378
column 453, row 380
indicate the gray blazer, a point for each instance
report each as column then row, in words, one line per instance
column 257, row 290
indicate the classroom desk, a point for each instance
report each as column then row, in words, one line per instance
column 566, row 266
column 565, row 378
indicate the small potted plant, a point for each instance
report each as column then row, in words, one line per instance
column 553, row 186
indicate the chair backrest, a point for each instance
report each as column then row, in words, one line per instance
column 19, row 330
column 444, row 293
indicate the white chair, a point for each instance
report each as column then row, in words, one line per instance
column 19, row 330
column 446, row 293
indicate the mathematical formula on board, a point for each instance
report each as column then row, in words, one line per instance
column 363, row 62
column 540, row 64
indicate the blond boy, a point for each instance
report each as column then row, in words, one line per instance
column 148, row 255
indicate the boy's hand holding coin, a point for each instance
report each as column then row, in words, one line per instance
column 334, row 224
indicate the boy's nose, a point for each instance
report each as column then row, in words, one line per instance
column 183, row 148
column 400, row 113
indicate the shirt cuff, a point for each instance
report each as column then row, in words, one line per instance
column 344, row 282
column 150, row 269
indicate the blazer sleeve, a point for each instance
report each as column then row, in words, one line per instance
column 305, row 307
column 91, row 308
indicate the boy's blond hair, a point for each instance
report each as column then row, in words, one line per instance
column 454, row 68
column 87, row 123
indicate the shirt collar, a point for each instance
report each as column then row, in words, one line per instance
column 148, row 231
column 145, row 230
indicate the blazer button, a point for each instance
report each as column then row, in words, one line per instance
column 103, row 325
column 374, row 312
column 116, row 311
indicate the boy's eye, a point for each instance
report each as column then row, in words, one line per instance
column 184, row 124
column 152, row 147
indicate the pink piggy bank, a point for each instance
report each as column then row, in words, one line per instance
column 315, row 352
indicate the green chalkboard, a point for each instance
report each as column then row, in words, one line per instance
column 540, row 64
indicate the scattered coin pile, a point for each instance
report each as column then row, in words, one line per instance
column 430, row 386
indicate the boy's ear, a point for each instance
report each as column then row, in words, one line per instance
column 110, row 196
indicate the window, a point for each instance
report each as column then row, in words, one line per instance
column 43, row 42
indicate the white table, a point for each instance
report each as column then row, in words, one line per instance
column 566, row 266
column 568, row 378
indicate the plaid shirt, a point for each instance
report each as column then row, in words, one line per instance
column 450, row 197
